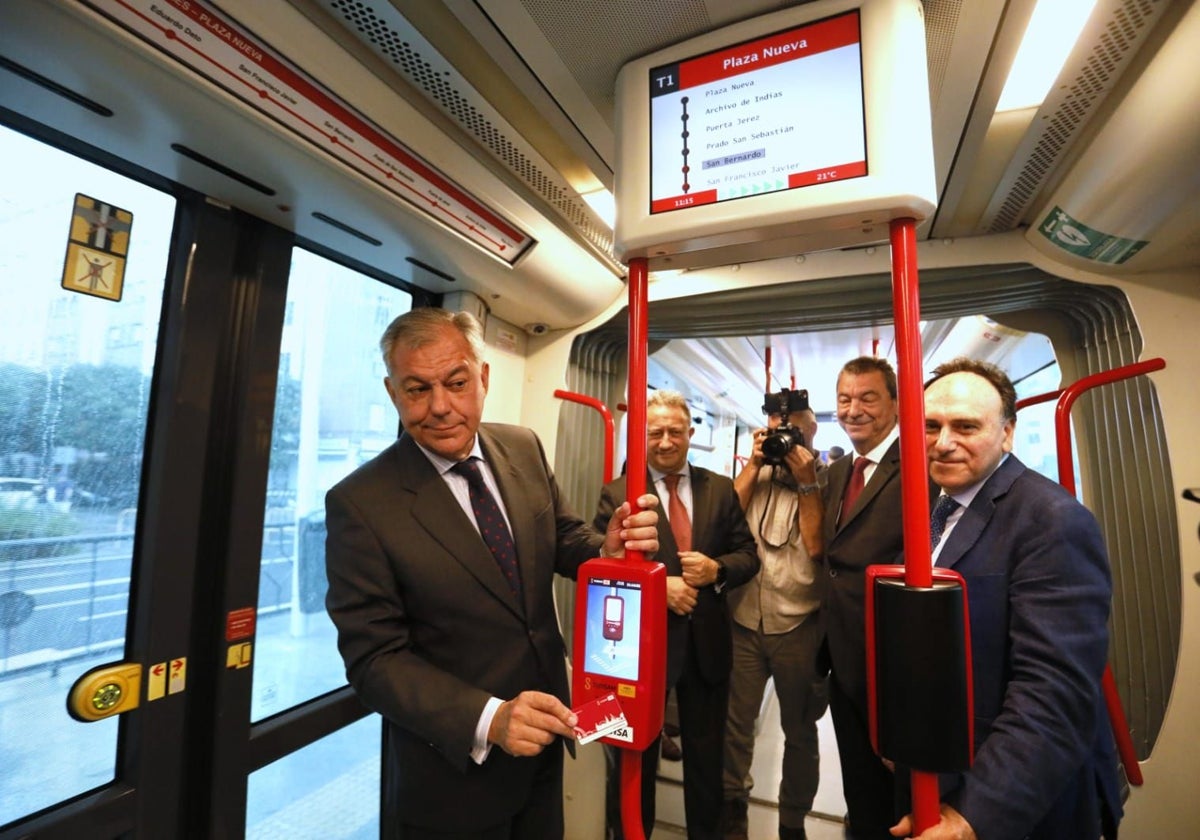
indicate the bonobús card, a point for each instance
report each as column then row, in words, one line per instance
column 598, row 718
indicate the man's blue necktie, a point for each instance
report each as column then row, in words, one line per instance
column 937, row 522
column 492, row 526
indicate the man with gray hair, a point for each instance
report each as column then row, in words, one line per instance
column 441, row 554
column 708, row 550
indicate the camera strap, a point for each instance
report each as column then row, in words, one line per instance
column 776, row 489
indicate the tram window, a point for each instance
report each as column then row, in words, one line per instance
column 74, row 389
column 328, row 789
column 331, row 414
column 1034, row 440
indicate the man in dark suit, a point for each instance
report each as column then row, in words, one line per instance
column 454, row 640
column 721, row 555
column 862, row 526
column 1038, row 589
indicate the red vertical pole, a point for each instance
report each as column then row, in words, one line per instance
column 635, row 469
column 631, row 794
column 914, row 480
column 635, row 483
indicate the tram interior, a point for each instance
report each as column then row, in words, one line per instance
column 513, row 100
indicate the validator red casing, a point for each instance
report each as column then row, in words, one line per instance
column 633, row 666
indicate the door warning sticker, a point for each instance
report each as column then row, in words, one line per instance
column 97, row 248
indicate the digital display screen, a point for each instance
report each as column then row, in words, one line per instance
column 776, row 113
column 613, row 634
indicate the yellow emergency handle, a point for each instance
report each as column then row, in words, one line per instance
column 105, row 691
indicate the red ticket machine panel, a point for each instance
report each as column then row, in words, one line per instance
column 620, row 644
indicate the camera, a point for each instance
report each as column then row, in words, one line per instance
column 779, row 441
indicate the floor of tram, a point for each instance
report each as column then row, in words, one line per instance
column 829, row 806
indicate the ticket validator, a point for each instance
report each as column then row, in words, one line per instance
column 620, row 644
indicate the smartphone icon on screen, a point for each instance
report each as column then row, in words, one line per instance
column 614, row 617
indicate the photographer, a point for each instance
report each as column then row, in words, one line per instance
column 776, row 626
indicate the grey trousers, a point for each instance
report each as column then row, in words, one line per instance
column 790, row 660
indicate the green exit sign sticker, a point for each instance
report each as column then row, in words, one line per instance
column 1076, row 238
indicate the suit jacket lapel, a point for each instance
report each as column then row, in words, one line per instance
column 701, row 504
column 437, row 511
column 884, row 470
column 839, row 476
column 518, row 508
column 977, row 516
column 888, row 467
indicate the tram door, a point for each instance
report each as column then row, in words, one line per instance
column 179, row 385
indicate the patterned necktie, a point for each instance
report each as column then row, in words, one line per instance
column 854, row 486
column 677, row 514
column 937, row 523
column 492, row 526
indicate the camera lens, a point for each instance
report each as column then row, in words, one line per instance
column 776, row 445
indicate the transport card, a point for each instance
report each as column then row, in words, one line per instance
column 598, row 718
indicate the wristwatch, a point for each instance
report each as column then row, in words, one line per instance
column 805, row 489
column 722, row 573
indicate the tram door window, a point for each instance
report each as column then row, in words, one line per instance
column 75, row 372
column 331, row 415
column 328, row 789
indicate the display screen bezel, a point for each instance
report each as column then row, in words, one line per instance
column 736, row 145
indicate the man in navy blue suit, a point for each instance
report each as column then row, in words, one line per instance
column 1038, row 589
